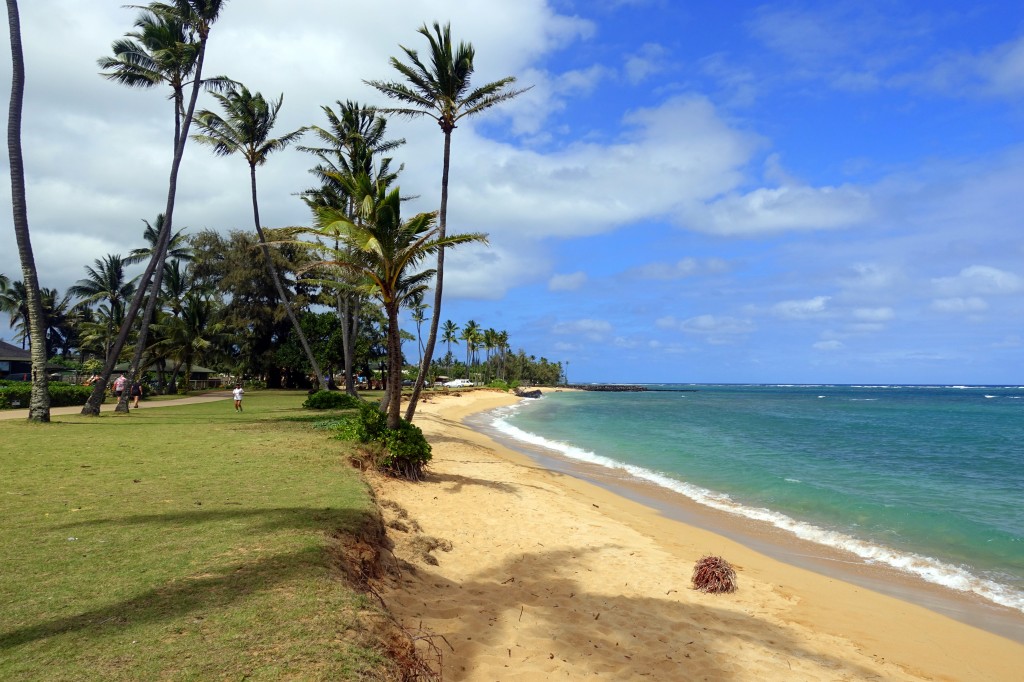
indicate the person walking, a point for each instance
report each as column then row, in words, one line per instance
column 120, row 383
column 136, row 393
column 237, row 395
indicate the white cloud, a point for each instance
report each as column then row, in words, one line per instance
column 957, row 304
column 594, row 330
column 648, row 61
column 799, row 310
column 828, row 345
column 685, row 267
column 980, row 279
column 883, row 314
column 569, row 282
column 783, row 209
column 712, row 325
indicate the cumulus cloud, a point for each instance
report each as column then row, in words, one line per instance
column 568, row 282
column 980, row 279
column 783, row 209
column 958, row 304
column 711, row 325
column 799, row 310
column 883, row 314
column 591, row 329
column 685, row 267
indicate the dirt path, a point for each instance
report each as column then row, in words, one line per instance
column 77, row 409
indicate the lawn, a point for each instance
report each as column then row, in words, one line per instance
column 181, row 543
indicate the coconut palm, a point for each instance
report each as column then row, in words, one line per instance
column 193, row 337
column 351, row 143
column 449, row 335
column 177, row 247
column 387, row 251
column 39, row 401
column 168, row 48
column 418, row 317
column 471, row 335
column 443, row 93
column 245, row 129
column 106, row 283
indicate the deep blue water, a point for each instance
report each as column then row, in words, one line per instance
column 929, row 480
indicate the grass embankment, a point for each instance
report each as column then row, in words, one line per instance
column 183, row 543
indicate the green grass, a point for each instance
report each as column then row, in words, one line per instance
column 181, row 543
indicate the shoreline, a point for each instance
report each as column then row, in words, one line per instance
column 552, row 575
column 776, row 543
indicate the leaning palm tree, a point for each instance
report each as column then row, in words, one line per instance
column 169, row 48
column 245, row 129
column 443, row 93
column 388, row 251
column 39, row 400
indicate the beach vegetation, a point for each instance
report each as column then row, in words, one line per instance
column 331, row 400
column 245, row 129
column 714, row 575
column 443, row 92
column 386, row 251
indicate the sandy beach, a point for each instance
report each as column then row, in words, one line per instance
column 537, row 575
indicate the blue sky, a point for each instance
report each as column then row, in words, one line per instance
column 750, row 192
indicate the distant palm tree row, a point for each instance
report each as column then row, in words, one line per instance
column 358, row 250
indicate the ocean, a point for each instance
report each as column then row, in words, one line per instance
column 928, row 480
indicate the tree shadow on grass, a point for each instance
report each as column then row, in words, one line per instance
column 500, row 617
column 215, row 586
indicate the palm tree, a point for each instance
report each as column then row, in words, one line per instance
column 443, row 93
column 448, row 335
column 471, row 335
column 177, row 247
column 417, row 316
column 193, row 337
column 387, row 251
column 106, row 283
column 39, row 401
column 352, row 140
column 245, row 129
column 169, row 48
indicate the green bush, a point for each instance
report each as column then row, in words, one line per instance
column 331, row 400
column 400, row 452
column 17, row 394
column 503, row 385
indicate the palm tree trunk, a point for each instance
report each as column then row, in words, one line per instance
column 394, row 385
column 39, row 400
column 92, row 406
column 428, row 352
column 272, row 269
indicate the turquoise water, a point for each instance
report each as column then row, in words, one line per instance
column 929, row 480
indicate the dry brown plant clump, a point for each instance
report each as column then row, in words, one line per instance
column 714, row 575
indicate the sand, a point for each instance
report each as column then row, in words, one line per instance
column 549, row 577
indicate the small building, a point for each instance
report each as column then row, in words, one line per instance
column 16, row 363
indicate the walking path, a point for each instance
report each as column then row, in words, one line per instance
column 77, row 409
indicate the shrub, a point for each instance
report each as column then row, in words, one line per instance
column 714, row 575
column 331, row 400
column 18, row 394
column 399, row 452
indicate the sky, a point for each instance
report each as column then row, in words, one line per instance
column 794, row 192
